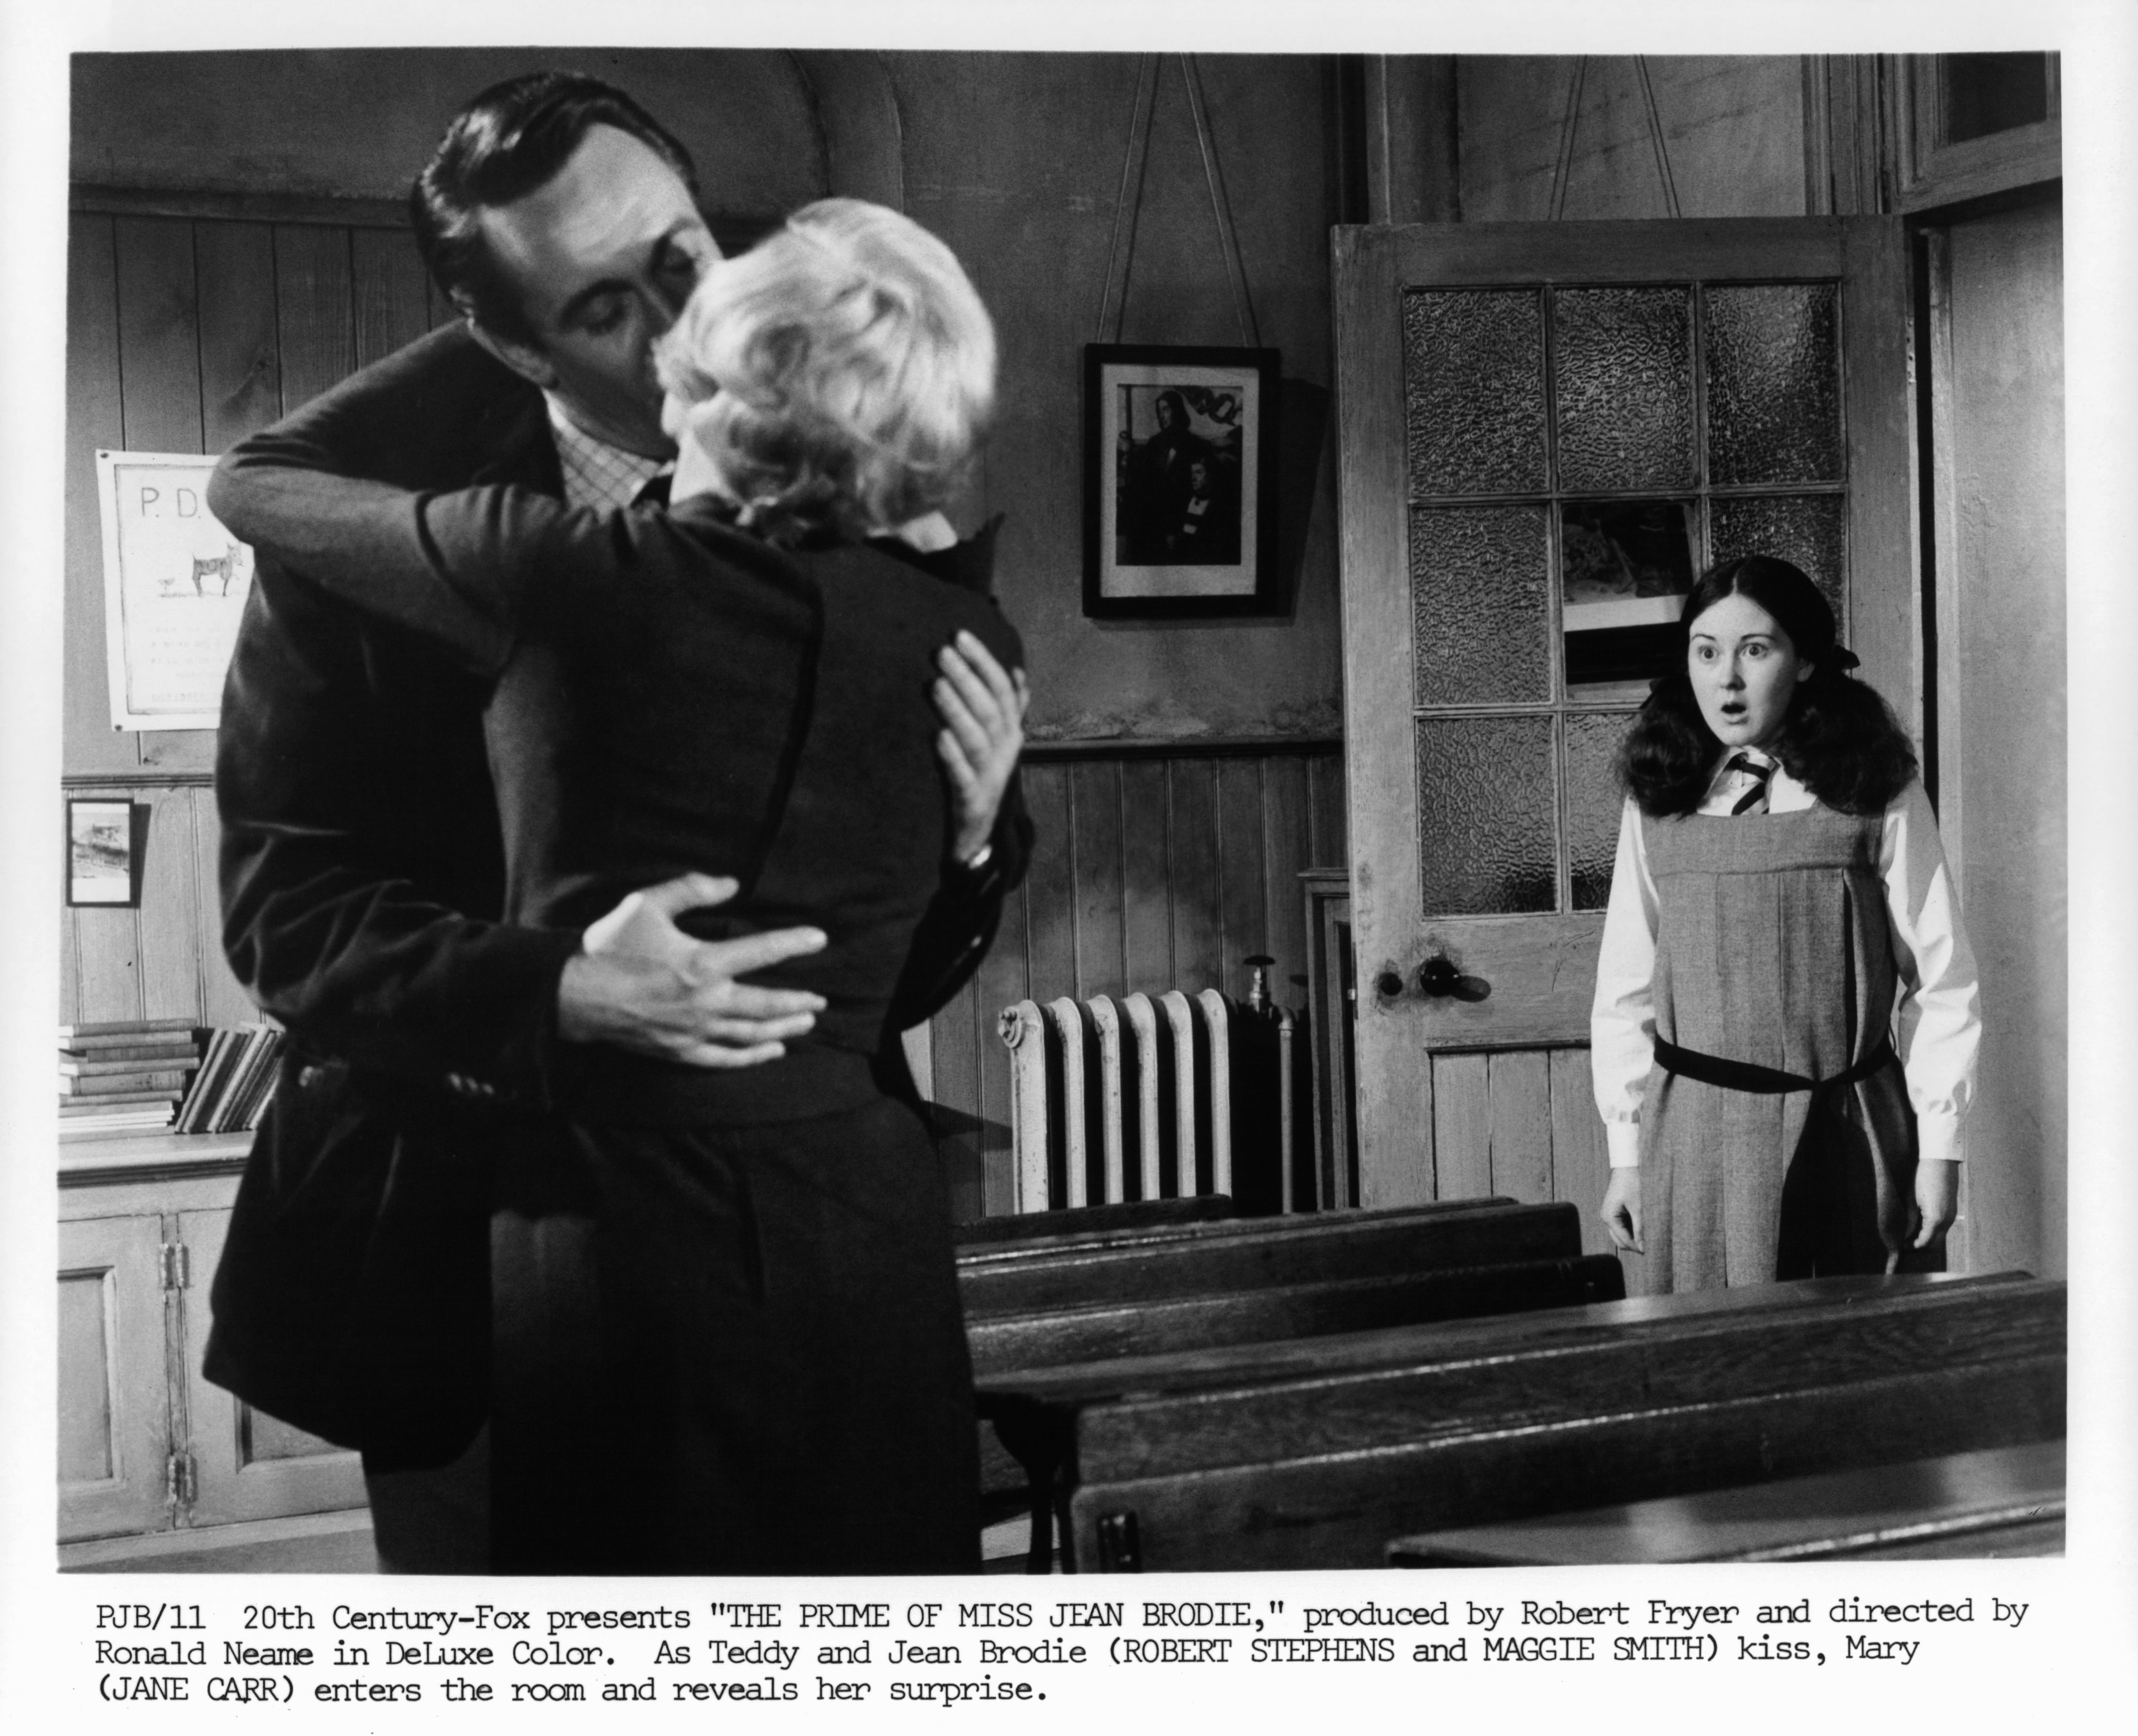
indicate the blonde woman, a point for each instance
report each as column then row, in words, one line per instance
column 726, row 1330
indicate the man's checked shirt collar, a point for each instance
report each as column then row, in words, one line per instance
column 597, row 474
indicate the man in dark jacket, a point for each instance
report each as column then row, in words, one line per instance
column 362, row 870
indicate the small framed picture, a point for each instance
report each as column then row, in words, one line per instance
column 99, row 845
column 1179, row 480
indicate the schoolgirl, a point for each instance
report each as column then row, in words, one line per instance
column 1783, row 975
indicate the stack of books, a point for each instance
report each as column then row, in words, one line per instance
column 236, row 1079
column 124, row 1076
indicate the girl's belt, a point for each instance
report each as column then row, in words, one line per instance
column 1742, row 1075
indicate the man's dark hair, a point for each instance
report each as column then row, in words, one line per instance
column 510, row 141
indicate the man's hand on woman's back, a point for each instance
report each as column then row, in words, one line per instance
column 639, row 982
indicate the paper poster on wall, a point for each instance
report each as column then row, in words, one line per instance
column 174, row 585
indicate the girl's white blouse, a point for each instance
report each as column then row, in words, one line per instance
column 1937, row 1021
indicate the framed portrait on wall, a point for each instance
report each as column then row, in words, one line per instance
column 99, row 852
column 1179, row 480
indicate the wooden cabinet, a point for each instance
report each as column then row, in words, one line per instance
column 149, row 1450
column 115, row 1437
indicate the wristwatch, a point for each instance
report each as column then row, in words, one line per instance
column 979, row 858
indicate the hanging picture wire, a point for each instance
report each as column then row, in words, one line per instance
column 1180, row 455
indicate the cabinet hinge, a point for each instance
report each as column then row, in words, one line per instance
column 178, row 1485
column 175, row 1263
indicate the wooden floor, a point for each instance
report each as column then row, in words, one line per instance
column 326, row 1543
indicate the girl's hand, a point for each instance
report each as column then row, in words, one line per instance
column 1937, row 1199
column 1621, row 1208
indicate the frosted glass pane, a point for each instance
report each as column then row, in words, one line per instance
column 1623, row 359
column 1473, row 391
column 1773, row 383
column 1812, row 530
column 1486, row 815
column 1593, row 800
column 1480, row 610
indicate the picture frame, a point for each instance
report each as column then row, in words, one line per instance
column 102, row 852
column 1180, row 472
column 175, row 582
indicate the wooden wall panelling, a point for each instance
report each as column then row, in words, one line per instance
column 159, row 372
column 222, row 1002
column 389, row 295
column 107, row 950
column 240, row 363
column 1050, row 885
column 314, row 319
column 1240, row 870
column 238, row 392
column 69, row 970
column 95, row 421
column 1518, row 1098
column 1461, row 1166
column 170, row 908
column 1330, row 845
column 159, row 335
column 1095, row 796
column 954, row 1037
column 1287, row 847
column 1198, row 913
column 1003, row 982
column 1147, row 879
column 1151, row 872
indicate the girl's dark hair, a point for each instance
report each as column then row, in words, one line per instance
column 1840, row 738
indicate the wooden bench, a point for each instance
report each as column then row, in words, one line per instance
column 1166, row 1325
column 2003, row 1501
column 1088, row 1223
column 1155, row 1262
column 1176, row 1287
column 1314, row 1453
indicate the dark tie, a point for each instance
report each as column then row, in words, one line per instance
column 1753, row 801
column 654, row 491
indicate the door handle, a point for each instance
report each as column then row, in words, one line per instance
column 1437, row 978
column 1440, row 979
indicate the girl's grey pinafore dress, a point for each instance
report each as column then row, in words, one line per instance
column 1776, row 1137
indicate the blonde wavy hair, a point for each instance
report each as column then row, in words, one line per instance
column 841, row 374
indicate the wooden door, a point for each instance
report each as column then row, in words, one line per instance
column 114, row 1411
column 1547, row 430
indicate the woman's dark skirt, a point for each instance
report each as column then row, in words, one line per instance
column 731, row 1350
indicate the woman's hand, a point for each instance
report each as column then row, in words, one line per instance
column 1937, row 1199
column 983, row 707
column 1621, row 1211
